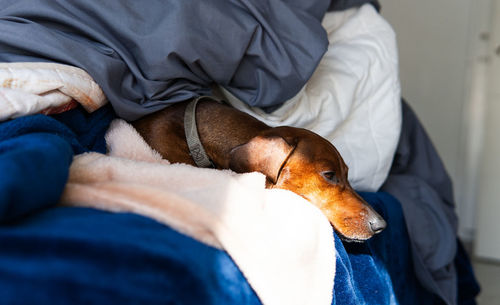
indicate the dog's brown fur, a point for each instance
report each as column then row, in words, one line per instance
column 294, row 159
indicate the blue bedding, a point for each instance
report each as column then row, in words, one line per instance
column 79, row 256
column 61, row 255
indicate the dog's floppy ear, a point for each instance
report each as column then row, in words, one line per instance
column 265, row 154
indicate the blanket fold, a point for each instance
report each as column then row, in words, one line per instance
column 418, row 179
column 33, row 87
column 35, row 155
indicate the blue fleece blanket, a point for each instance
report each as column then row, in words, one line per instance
column 55, row 255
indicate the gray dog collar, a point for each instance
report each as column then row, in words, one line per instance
column 196, row 149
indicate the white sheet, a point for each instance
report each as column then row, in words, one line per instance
column 353, row 98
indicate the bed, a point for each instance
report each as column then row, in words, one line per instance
column 70, row 235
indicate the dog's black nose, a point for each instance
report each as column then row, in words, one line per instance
column 377, row 224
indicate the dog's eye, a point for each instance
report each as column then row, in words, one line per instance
column 330, row 176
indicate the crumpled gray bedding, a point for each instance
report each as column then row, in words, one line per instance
column 418, row 179
column 147, row 54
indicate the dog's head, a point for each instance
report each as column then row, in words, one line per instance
column 303, row 162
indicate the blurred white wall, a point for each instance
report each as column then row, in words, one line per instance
column 442, row 46
column 487, row 243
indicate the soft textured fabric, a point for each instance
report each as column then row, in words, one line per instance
column 35, row 154
column 388, row 257
column 29, row 88
column 22, row 161
column 467, row 284
column 86, row 131
column 149, row 54
column 281, row 243
column 353, row 98
column 420, row 182
column 84, row 256
column 380, row 270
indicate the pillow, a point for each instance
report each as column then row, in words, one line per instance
column 353, row 98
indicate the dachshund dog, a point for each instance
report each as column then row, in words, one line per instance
column 291, row 158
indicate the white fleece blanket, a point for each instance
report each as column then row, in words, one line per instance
column 282, row 244
column 29, row 88
column 353, row 98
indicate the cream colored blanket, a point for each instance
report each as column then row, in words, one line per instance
column 33, row 87
column 282, row 244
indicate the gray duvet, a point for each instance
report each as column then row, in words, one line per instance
column 148, row 54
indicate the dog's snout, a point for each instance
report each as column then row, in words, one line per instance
column 377, row 224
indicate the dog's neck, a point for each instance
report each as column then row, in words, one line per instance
column 215, row 121
column 220, row 128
